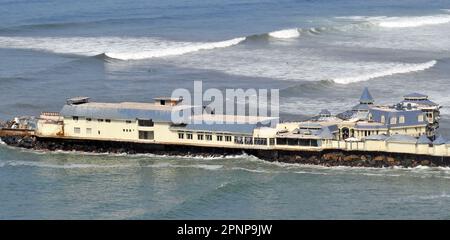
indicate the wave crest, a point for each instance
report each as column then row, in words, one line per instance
column 401, row 68
column 285, row 33
column 113, row 47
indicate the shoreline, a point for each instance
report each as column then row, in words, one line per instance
column 326, row 158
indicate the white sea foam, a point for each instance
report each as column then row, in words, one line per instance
column 64, row 166
column 396, row 69
column 402, row 22
column 285, row 33
column 408, row 22
column 253, row 170
column 200, row 166
column 114, row 47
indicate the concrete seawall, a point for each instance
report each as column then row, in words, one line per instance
column 329, row 157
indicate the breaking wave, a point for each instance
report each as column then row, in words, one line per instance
column 285, row 33
column 401, row 68
column 113, row 47
column 402, row 22
column 129, row 48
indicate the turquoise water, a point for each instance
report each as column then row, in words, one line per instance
column 121, row 51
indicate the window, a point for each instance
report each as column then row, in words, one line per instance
column 75, row 118
column 76, row 130
column 200, row 136
column 420, row 118
column 145, row 123
column 219, row 138
column 227, row 138
column 88, row 130
column 149, row 135
column 208, row 137
column 100, row 120
column 98, row 132
column 88, row 119
column 393, row 120
column 128, row 122
column 248, row 140
column 108, row 120
column 238, row 140
column 261, row 141
column 181, row 135
column 272, row 141
column 189, row 135
column 383, row 119
column 401, row 119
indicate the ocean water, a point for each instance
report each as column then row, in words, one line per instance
column 320, row 54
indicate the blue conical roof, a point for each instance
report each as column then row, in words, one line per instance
column 423, row 139
column 366, row 97
column 440, row 140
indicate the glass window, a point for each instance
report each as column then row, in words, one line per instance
column 145, row 123
column 420, row 118
column 238, row 140
column 100, row 120
column 272, row 141
column 88, row 130
column 200, row 136
column 401, row 119
column 75, row 118
column 208, row 137
column 219, row 138
column 261, row 141
column 393, row 120
column 88, row 119
column 189, row 135
column 181, row 135
column 76, row 130
column 108, row 120
column 146, row 135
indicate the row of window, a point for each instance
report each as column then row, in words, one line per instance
column 142, row 123
column 77, row 130
column 401, row 119
column 75, row 118
column 227, row 138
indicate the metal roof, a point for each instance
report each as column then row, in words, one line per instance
column 361, row 106
column 415, row 95
column 380, row 137
column 325, row 112
column 325, row 133
column 366, row 97
column 423, row 139
column 420, row 102
column 122, row 113
column 401, row 138
column 410, row 116
column 440, row 140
